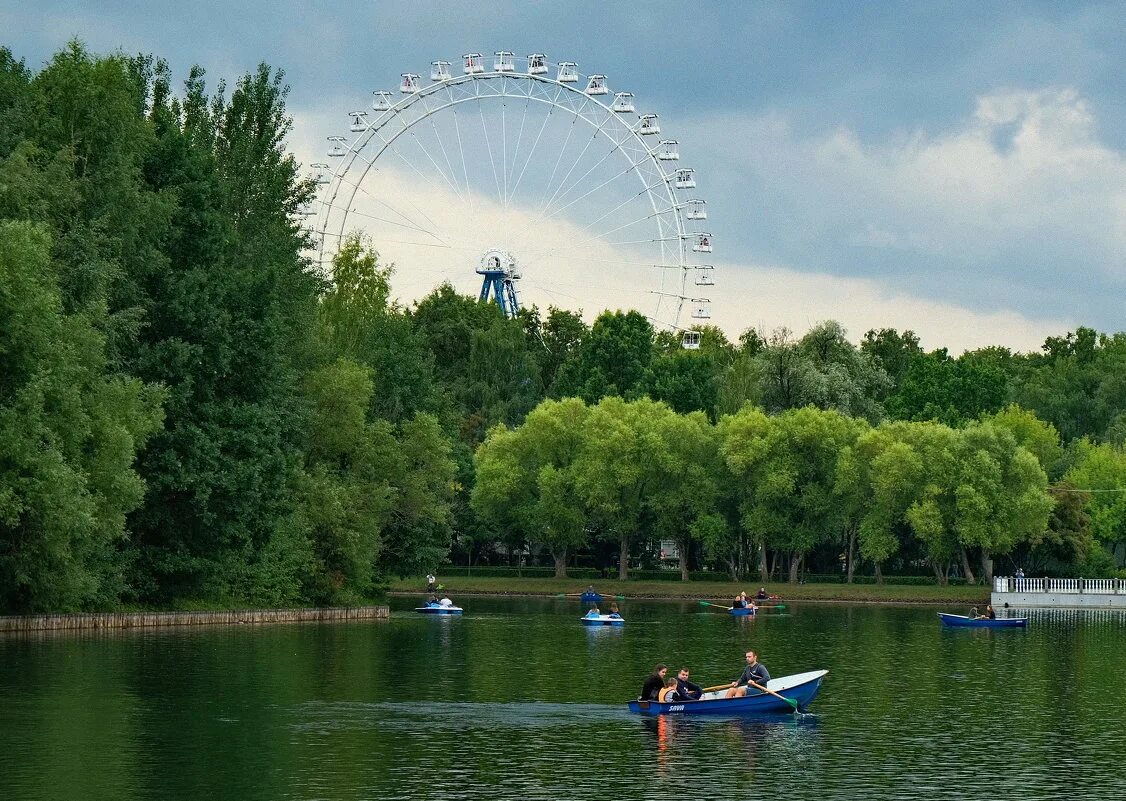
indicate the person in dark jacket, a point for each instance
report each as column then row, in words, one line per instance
column 686, row 689
column 654, row 684
column 755, row 672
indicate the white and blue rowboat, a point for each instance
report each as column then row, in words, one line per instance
column 982, row 622
column 801, row 687
column 438, row 609
column 602, row 620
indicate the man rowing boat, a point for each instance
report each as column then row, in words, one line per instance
column 754, row 673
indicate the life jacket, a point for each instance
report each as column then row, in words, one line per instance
column 663, row 695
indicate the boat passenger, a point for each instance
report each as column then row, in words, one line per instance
column 593, row 612
column 446, row 602
column 738, row 602
column 653, row 684
column 762, row 594
column 614, row 613
column 973, row 613
column 432, row 600
column 755, row 672
column 686, row 689
column 668, row 693
column 990, row 614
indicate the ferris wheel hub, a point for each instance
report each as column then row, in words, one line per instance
column 497, row 260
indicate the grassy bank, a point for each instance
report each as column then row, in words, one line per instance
column 695, row 590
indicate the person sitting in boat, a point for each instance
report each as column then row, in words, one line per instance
column 686, row 689
column 755, row 671
column 594, row 612
column 990, row 614
column 738, row 602
column 432, row 601
column 762, row 594
column 445, row 601
column 973, row 613
column 654, row 683
column 614, row 613
column 668, row 693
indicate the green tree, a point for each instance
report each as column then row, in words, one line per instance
column 614, row 359
column 69, row 433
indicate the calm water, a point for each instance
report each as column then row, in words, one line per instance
column 516, row 700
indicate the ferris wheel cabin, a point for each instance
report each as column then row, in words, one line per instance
column 320, row 173
column 704, row 274
column 596, row 85
column 440, row 71
column 537, row 64
column 648, row 125
column 410, row 83
column 337, row 149
column 568, row 72
column 474, row 63
column 696, row 210
column 358, row 125
column 503, row 61
column 668, row 150
column 623, row 103
column 685, row 178
column 381, row 101
column 701, row 312
column 703, row 243
column 690, row 340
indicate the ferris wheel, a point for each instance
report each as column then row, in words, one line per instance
column 535, row 184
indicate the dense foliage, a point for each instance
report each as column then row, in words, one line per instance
column 191, row 413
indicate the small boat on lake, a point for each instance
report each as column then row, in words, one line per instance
column 982, row 622
column 589, row 597
column 800, row 687
column 742, row 611
column 602, row 620
column 439, row 609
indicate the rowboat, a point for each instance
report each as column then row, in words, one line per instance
column 982, row 622
column 742, row 612
column 801, row 687
column 590, row 598
column 438, row 609
column 602, row 620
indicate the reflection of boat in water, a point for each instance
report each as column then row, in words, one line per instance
column 602, row 620
column 982, row 622
column 438, row 609
column 800, row 687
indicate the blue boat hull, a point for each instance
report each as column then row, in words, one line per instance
column 602, row 620
column 438, row 610
column 590, row 598
column 746, row 611
column 982, row 623
column 802, row 687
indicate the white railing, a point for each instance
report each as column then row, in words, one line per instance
column 1065, row 586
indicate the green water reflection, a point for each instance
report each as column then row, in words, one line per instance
column 517, row 700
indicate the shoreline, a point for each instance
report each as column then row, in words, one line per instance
column 875, row 594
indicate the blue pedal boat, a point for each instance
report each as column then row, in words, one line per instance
column 745, row 611
column 602, row 620
column 982, row 623
column 438, row 609
column 801, row 687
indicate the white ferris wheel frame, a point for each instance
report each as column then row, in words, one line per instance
column 622, row 129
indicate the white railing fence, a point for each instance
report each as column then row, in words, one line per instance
column 1103, row 586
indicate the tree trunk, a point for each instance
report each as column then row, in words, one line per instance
column 987, row 565
column 774, row 565
column 683, row 548
column 851, row 552
column 970, row 579
column 879, row 575
column 795, row 564
column 939, row 573
column 763, row 574
column 560, row 563
column 623, row 560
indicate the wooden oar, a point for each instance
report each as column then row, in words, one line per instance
column 717, row 687
column 720, row 606
column 789, row 701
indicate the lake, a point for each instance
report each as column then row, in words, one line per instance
column 517, row 700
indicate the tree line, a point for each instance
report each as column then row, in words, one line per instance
column 191, row 412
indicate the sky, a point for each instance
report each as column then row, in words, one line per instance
column 955, row 168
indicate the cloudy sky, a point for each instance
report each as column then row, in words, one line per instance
column 954, row 168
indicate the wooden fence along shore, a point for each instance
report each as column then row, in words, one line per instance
column 129, row 620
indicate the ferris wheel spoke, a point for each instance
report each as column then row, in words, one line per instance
column 574, row 164
column 516, row 152
column 464, row 165
column 589, row 192
column 578, row 181
column 368, row 216
column 390, row 146
column 489, row 147
column 442, row 147
column 532, row 152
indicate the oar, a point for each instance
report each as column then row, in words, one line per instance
column 789, row 701
column 717, row 687
column 770, row 606
column 720, row 606
column 580, row 594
